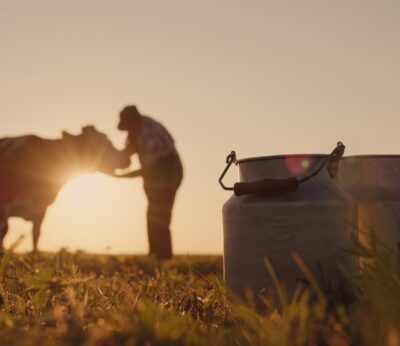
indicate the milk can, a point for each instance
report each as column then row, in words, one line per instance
column 284, row 205
column 374, row 182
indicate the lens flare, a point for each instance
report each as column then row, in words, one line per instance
column 298, row 164
column 305, row 163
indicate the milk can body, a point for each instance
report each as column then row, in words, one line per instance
column 316, row 222
column 373, row 181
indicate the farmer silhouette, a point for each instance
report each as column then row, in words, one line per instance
column 161, row 170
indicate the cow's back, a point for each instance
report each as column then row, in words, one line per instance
column 26, row 166
column 9, row 146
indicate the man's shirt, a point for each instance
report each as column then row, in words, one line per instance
column 152, row 142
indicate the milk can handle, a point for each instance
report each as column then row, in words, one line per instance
column 273, row 186
column 332, row 162
column 231, row 158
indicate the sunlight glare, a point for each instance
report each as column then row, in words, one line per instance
column 88, row 190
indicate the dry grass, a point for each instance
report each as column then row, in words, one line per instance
column 75, row 298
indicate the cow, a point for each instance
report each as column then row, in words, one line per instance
column 33, row 170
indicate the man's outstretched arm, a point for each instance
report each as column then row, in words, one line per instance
column 132, row 174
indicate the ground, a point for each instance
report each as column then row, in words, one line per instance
column 76, row 298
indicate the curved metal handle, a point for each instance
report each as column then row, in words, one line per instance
column 267, row 187
column 331, row 161
column 335, row 157
column 231, row 158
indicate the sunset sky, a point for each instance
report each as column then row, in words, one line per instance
column 260, row 77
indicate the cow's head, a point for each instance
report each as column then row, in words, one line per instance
column 93, row 151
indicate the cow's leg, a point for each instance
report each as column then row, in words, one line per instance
column 37, row 224
column 3, row 230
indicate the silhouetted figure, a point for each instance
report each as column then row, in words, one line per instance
column 162, row 174
column 33, row 170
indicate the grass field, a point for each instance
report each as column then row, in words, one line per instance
column 75, row 298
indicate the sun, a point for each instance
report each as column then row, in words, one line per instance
column 86, row 192
column 97, row 213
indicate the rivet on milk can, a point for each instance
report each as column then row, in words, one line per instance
column 374, row 182
column 283, row 205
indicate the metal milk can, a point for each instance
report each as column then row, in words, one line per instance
column 283, row 205
column 373, row 181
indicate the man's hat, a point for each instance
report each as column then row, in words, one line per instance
column 128, row 116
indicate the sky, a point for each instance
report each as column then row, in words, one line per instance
column 259, row 77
